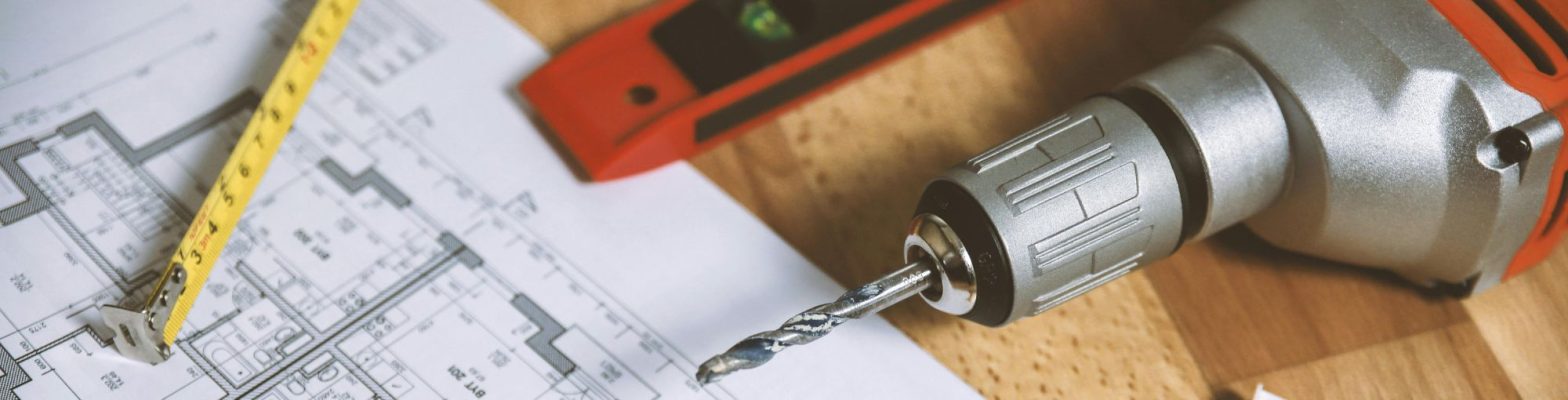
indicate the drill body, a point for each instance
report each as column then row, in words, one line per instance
column 1424, row 138
column 1418, row 137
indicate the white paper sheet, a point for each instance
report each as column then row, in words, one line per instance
column 416, row 237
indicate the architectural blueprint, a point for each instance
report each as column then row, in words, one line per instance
column 415, row 238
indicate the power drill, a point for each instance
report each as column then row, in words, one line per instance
column 1422, row 137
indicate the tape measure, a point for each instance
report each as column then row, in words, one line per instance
column 148, row 333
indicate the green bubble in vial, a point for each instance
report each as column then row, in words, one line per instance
column 762, row 21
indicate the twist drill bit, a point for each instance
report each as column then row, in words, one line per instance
column 816, row 322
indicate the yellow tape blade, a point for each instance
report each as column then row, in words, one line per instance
column 215, row 221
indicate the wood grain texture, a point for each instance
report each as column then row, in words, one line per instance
column 1246, row 308
column 838, row 178
column 1445, row 363
column 1525, row 322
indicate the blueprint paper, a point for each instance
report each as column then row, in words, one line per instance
column 416, row 237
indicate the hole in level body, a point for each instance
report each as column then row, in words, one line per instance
column 641, row 95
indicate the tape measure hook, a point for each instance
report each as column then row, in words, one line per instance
column 139, row 333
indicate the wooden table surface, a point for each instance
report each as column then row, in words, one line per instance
column 839, row 177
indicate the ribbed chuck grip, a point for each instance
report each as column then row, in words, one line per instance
column 1062, row 209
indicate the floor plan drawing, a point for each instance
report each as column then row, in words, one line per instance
column 368, row 265
column 274, row 321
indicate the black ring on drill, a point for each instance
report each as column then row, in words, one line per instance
column 993, row 276
column 1192, row 178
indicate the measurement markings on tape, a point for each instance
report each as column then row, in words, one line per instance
column 148, row 333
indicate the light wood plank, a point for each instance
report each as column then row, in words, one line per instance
column 1247, row 308
column 1448, row 363
column 1525, row 321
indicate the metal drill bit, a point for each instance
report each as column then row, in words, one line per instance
column 816, row 322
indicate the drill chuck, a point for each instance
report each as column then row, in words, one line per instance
column 1115, row 183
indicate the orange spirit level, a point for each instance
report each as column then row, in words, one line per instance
column 686, row 75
